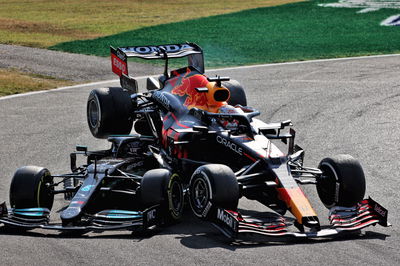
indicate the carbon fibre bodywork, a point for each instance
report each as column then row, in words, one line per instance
column 184, row 123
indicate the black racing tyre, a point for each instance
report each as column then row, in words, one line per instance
column 238, row 96
column 109, row 112
column 159, row 186
column 342, row 182
column 212, row 186
column 175, row 198
column 30, row 188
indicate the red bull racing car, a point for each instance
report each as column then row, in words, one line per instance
column 196, row 141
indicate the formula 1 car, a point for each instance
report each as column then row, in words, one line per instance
column 197, row 141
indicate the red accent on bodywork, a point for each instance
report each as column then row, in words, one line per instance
column 164, row 135
column 118, row 66
column 188, row 87
column 176, row 136
column 248, row 156
column 177, row 121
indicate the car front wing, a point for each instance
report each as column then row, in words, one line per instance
column 32, row 218
column 342, row 220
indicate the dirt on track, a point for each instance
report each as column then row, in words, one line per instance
column 67, row 66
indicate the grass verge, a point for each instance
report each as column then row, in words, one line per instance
column 46, row 22
column 298, row 31
column 14, row 82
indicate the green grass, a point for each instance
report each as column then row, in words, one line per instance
column 42, row 23
column 14, row 82
column 298, row 31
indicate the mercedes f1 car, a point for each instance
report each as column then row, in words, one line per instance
column 196, row 141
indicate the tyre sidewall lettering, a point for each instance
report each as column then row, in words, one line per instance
column 201, row 213
column 176, row 214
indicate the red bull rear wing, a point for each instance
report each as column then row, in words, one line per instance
column 120, row 55
column 155, row 51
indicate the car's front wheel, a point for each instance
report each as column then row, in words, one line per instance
column 342, row 182
column 212, row 186
column 31, row 187
column 160, row 187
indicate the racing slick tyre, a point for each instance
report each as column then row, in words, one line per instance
column 342, row 182
column 109, row 112
column 31, row 188
column 159, row 186
column 238, row 96
column 212, row 186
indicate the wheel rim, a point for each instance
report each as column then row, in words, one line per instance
column 200, row 195
column 94, row 113
column 176, row 198
column 45, row 196
column 327, row 186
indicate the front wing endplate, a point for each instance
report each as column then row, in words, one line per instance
column 342, row 220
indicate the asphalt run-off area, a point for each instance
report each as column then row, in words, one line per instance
column 337, row 106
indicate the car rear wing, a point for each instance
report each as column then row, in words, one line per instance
column 119, row 56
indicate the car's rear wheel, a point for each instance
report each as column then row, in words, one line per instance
column 238, row 96
column 109, row 112
column 31, row 187
column 342, row 182
column 159, row 186
column 212, row 186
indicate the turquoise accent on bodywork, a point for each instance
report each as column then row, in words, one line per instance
column 87, row 188
column 125, row 212
column 36, row 214
column 120, row 214
column 32, row 210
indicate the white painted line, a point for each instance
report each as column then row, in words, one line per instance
column 305, row 62
column 210, row 70
column 57, row 89
column 65, row 88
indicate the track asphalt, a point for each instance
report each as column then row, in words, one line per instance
column 346, row 106
column 68, row 66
